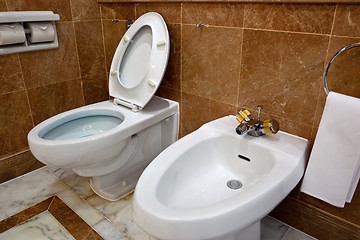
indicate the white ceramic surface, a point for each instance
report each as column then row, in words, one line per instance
column 183, row 193
column 113, row 144
column 140, row 60
column 97, row 150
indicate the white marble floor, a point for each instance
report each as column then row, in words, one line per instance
column 111, row 220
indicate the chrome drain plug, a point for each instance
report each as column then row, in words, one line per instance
column 234, row 184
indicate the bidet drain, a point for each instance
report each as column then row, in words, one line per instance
column 234, row 184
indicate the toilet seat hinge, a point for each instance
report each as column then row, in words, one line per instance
column 132, row 106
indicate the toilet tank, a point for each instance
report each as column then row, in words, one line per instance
column 169, row 130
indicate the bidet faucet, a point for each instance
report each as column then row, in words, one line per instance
column 255, row 127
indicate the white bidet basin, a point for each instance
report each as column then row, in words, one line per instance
column 215, row 184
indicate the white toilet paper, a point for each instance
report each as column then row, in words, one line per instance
column 11, row 33
column 41, row 32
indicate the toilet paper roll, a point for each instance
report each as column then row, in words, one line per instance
column 11, row 33
column 41, row 32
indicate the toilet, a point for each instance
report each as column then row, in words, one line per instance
column 113, row 141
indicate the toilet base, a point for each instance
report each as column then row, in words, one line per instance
column 253, row 232
column 118, row 190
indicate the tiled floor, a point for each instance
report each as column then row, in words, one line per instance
column 57, row 204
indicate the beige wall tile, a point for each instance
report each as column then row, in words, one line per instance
column 95, row 88
column 210, row 64
column 169, row 93
column 90, row 47
column 47, row 101
column 175, row 37
column 216, row 14
column 16, row 122
column 122, row 11
column 11, row 78
column 3, row 6
column 85, row 10
column 290, row 17
column 113, row 32
column 61, row 7
column 173, row 70
column 282, row 72
column 347, row 21
column 196, row 111
column 17, row 165
column 51, row 66
column 171, row 12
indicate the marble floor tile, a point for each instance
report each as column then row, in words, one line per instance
column 23, row 193
column 119, row 213
column 272, row 229
column 42, row 226
column 293, row 234
column 27, row 190
column 110, row 220
column 79, row 185
column 91, row 216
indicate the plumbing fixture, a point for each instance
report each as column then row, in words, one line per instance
column 200, row 25
column 129, row 23
column 255, row 127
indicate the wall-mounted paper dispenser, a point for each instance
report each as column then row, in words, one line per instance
column 27, row 31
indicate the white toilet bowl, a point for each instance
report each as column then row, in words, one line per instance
column 215, row 184
column 113, row 141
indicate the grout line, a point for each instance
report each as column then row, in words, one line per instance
column 26, row 91
column 289, row 228
column 77, row 52
column 84, row 200
column 6, row 157
column 263, row 29
column 324, row 65
column 333, row 23
column 339, row 36
column 104, row 51
column 71, row 11
column 15, row 91
column 63, row 81
column 283, row 237
column 180, row 133
column 240, row 67
column 284, row 31
column 6, row 4
column 52, row 200
column 240, row 62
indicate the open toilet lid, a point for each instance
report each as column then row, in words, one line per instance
column 140, row 61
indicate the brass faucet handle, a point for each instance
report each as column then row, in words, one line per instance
column 271, row 126
column 243, row 115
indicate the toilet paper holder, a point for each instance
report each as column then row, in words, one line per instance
column 37, row 38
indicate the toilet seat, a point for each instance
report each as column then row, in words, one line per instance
column 139, row 62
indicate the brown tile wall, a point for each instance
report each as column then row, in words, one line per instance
column 258, row 54
column 37, row 85
column 246, row 55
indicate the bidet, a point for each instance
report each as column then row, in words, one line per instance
column 215, row 184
